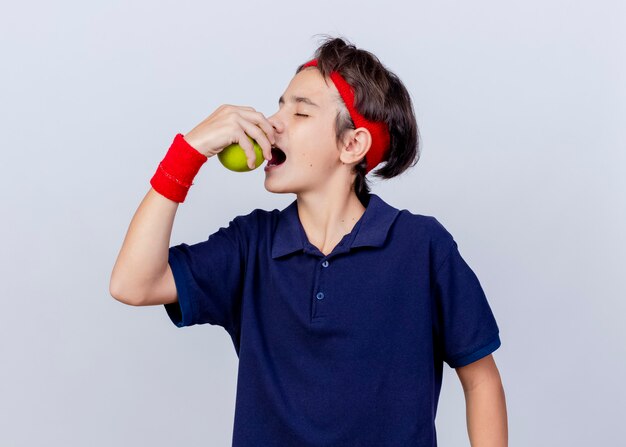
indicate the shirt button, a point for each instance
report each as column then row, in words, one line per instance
column 325, row 264
column 319, row 296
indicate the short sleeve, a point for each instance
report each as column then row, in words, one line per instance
column 464, row 325
column 209, row 279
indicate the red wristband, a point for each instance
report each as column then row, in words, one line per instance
column 175, row 173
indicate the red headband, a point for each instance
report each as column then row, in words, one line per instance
column 377, row 129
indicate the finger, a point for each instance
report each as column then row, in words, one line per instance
column 248, row 148
column 232, row 107
column 257, row 134
column 259, row 119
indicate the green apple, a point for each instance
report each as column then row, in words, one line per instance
column 233, row 157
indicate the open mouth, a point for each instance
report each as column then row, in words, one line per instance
column 278, row 157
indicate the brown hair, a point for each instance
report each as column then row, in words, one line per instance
column 379, row 95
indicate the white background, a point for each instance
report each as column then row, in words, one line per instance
column 521, row 108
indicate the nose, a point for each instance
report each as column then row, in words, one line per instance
column 276, row 123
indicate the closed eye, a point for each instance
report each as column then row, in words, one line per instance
column 301, row 114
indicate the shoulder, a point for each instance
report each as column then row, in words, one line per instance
column 256, row 218
column 431, row 233
column 255, row 223
column 244, row 230
column 426, row 225
column 252, row 218
column 422, row 228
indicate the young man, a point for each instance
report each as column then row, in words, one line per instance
column 341, row 308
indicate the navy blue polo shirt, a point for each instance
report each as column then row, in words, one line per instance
column 339, row 350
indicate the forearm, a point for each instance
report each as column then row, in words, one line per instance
column 486, row 415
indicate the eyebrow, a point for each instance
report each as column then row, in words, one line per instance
column 294, row 98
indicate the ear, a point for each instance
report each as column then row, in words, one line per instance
column 356, row 144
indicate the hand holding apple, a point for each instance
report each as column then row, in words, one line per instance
column 233, row 157
column 228, row 124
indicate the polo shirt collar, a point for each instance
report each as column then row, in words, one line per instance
column 371, row 229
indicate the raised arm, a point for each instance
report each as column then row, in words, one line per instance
column 141, row 275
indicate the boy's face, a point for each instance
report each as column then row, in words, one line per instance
column 306, row 134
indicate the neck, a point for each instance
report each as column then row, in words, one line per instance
column 327, row 218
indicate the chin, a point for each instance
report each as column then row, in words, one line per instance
column 276, row 189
